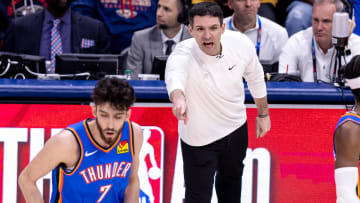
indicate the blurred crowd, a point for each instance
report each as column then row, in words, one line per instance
column 290, row 37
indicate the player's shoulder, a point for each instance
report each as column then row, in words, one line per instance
column 65, row 142
column 349, row 130
column 137, row 129
column 65, row 137
column 138, row 135
column 135, row 125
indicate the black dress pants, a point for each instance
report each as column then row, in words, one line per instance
column 222, row 159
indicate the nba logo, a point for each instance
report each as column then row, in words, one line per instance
column 151, row 165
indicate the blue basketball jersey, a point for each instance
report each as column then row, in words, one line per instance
column 101, row 174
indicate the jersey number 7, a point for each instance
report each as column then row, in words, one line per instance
column 104, row 190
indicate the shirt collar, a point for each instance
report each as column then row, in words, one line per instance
column 318, row 49
column 176, row 38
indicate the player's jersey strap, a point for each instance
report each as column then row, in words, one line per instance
column 349, row 116
column 131, row 137
column 57, row 185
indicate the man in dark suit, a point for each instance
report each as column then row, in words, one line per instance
column 79, row 34
column 154, row 41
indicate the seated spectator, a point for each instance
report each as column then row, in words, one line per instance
column 18, row 8
column 310, row 53
column 267, row 9
column 267, row 36
column 158, row 40
column 36, row 34
column 122, row 18
column 294, row 15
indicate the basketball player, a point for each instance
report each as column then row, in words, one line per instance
column 95, row 160
column 347, row 140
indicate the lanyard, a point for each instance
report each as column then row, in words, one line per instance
column 313, row 58
column 258, row 34
column 314, row 62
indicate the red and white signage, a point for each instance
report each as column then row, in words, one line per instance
column 292, row 163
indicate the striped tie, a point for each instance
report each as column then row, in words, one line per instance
column 56, row 44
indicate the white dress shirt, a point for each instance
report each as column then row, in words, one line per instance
column 213, row 86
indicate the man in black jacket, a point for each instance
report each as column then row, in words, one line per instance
column 31, row 34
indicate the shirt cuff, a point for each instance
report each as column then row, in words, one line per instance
column 258, row 89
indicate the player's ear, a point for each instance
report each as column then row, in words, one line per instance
column 93, row 109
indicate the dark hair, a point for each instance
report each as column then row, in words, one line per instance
column 205, row 9
column 183, row 7
column 116, row 91
column 352, row 70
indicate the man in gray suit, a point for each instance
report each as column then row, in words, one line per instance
column 158, row 40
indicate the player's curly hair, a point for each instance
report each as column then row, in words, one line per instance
column 116, row 91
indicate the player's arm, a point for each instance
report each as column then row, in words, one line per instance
column 263, row 123
column 61, row 148
column 347, row 146
column 133, row 189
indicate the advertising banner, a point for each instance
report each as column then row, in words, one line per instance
column 293, row 163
